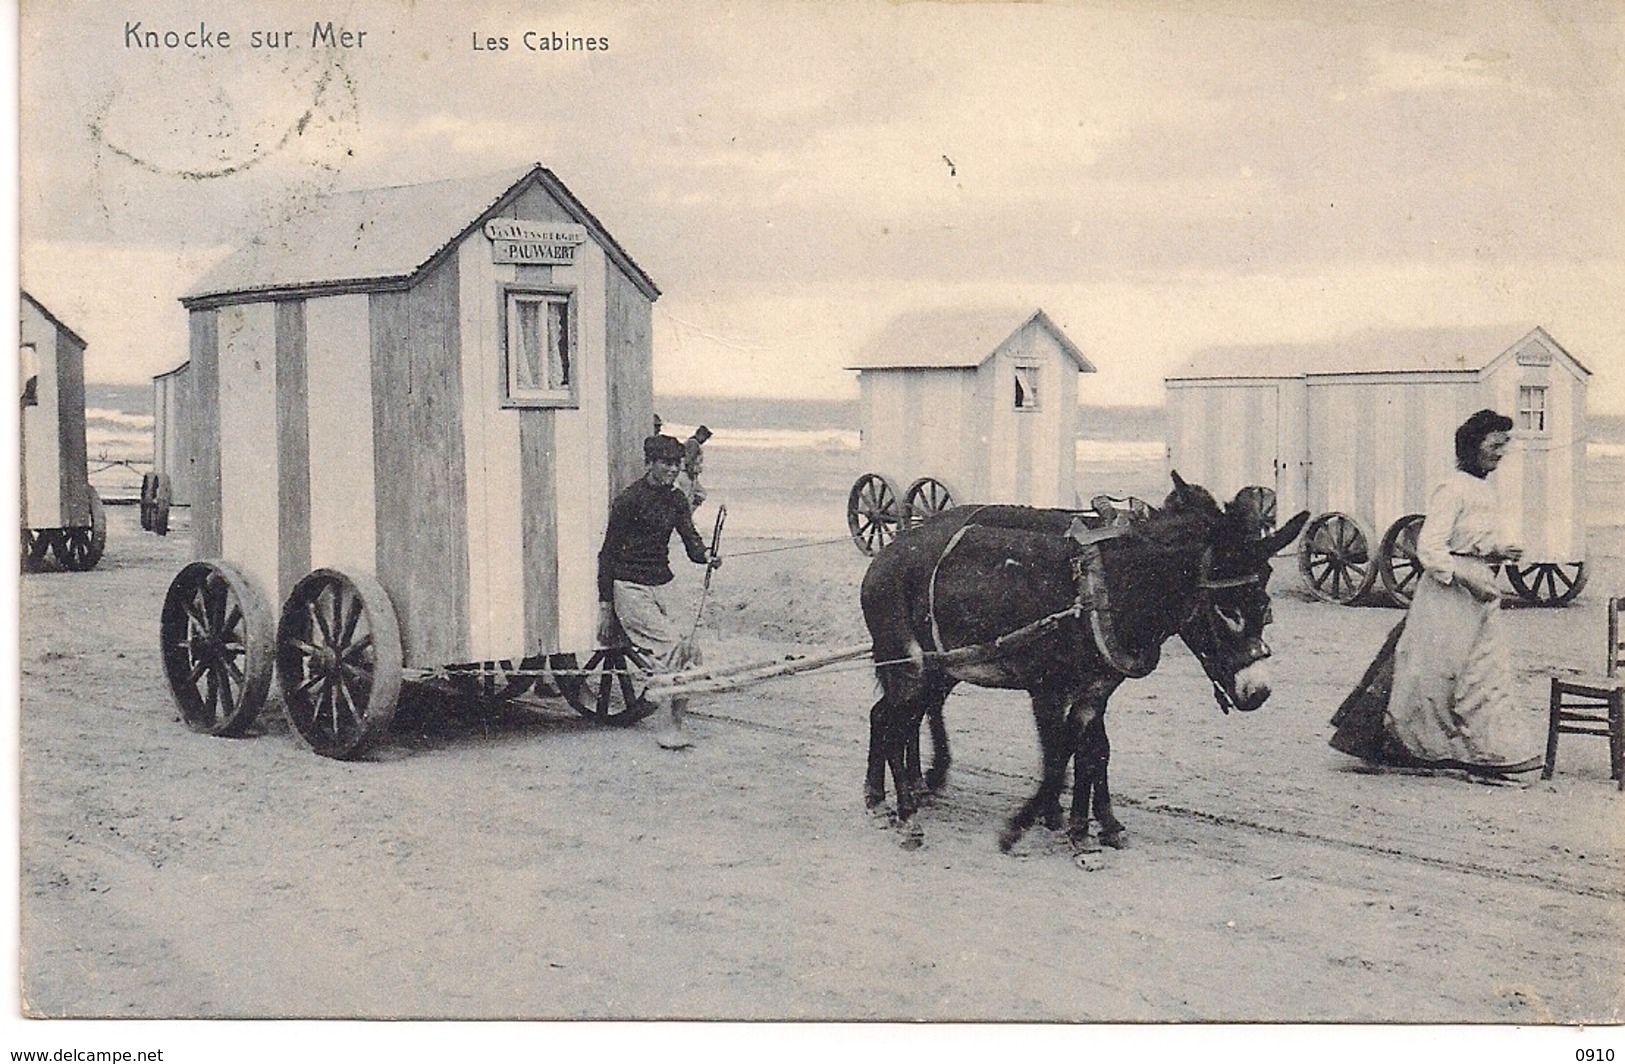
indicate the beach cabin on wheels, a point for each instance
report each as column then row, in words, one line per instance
column 408, row 410
column 61, row 513
column 964, row 406
column 1358, row 432
column 170, row 482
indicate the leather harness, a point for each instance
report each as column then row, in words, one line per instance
column 1093, row 601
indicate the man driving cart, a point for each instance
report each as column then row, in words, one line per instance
column 634, row 570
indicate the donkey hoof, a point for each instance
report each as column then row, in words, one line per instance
column 1117, row 840
column 935, row 778
column 1008, row 839
column 1082, row 843
column 913, row 836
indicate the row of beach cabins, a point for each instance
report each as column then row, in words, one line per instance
column 403, row 383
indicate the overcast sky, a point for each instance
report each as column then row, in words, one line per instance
column 1157, row 176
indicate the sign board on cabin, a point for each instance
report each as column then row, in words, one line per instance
column 514, row 240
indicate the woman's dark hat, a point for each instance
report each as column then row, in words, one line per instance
column 662, row 448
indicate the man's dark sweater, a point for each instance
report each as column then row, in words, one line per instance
column 638, row 539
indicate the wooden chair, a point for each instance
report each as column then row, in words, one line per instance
column 1593, row 705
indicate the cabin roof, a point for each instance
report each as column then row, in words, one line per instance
column 52, row 318
column 382, row 237
column 955, row 339
column 1444, row 350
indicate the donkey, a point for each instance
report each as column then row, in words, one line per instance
column 1003, row 596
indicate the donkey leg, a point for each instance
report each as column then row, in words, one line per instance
column 902, row 727
column 937, row 774
column 874, row 780
column 1094, row 757
column 1050, row 714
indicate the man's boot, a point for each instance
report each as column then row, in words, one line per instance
column 672, row 735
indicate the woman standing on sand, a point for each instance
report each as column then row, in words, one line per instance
column 1440, row 693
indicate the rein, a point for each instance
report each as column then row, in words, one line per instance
column 1092, row 601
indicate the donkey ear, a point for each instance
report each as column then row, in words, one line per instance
column 1180, row 487
column 1283, row 535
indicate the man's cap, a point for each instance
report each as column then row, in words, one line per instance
column 701, row 434
column 662, row 448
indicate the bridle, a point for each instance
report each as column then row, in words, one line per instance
column 1206, row 584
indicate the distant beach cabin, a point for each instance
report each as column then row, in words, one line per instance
column 983, row 404
column 436, row 385
column 1359, row 430
column 170, row 483
column 60, row 511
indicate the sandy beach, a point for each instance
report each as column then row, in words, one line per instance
column 518, row 861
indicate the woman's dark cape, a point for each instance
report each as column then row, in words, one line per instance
column 1361, row 730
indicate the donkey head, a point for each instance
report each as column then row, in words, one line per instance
column 1226, row 629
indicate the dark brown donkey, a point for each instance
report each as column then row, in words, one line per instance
column 1020, row 598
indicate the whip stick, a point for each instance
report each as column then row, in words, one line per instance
column 705, row 588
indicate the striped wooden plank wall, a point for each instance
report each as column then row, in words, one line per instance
column 959, row 426
column 250, row 469
column 54, row 479
column 1227, row 436
column 379, row 420
column 919, row 423
column 1541, row 482
column 1375, row 448
column 1032, row 454
column 171, row 403
column 41, row 439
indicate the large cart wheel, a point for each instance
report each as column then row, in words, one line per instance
column 1261, row 506
column 215, row 635
column 1548, row 583
column 163, row 494
column 81, row 548
column 338, row 658
column 1335, row 558
column 35, row 546
column 1397, row 563
column 494, row 681
column 149, row 490
column 925, row 498
column 872, row 514
column 611, row 687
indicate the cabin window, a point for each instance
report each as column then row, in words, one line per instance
column 541, row 348
column 1532, row 407
column 1026, row 393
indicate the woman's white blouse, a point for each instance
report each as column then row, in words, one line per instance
column 1462, row 528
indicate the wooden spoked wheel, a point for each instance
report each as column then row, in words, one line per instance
column 1397, row 563
column 35, row 546
column 494, row 681
column 80, row 548
column 925, row 498
column 1335, row 558
column 1548, row 583
column 163, row 495
column 149, row 490
column 872, row 512
column 611, row 687
column 1260, row 505
column 338, row 658
column 215, row 635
